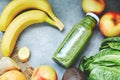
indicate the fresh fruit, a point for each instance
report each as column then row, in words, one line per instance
column 13, row 75
column 110, row 24
column 17, row 6
column 96, row 6
column 24, row 54
column 6, row 64
column 73, row 73
column 44, row 73
column 18, row 25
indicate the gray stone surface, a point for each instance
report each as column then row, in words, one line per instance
column 43, row 39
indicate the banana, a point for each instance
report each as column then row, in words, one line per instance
column 15, row 7
column 21, row 22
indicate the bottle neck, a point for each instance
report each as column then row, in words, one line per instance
column 89, row 22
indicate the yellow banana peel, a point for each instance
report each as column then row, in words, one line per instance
column 21, row 22
column 15, row 7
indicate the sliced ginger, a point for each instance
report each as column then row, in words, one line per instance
column 24, row 54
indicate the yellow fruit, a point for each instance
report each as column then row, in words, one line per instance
column 13, row 75
column 18, row 25
column 17, row 6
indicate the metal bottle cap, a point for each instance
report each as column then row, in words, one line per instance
column 94, row 16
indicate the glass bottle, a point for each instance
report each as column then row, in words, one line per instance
column 75, row 41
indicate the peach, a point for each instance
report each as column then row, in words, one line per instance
column 44, row 73
column 95, row 6
column 110, row 24
column 13, row 75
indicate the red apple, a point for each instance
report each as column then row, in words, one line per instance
column 95, row 6
column 110, row 24
column 44, row 73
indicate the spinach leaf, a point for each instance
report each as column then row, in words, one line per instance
column 114, row 45
column 103, row 52
column 105, row 42
column 105, row 65
column 87, row 64
column 110, row 39
column 104, row 47
column 104, row 73
column 109, row 58
column 84, row 63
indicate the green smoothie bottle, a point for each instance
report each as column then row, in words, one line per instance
column 75, row 41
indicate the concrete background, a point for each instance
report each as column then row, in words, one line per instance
column 43, row 39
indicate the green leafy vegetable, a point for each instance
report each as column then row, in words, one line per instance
column 105, row 65
column 98, row 59
column 114, row 45
column 111, row 39
column 104, row 73
column 112, row 42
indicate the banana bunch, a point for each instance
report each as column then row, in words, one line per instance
column 18, row 15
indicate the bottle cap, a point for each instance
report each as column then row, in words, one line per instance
column 94, row 16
